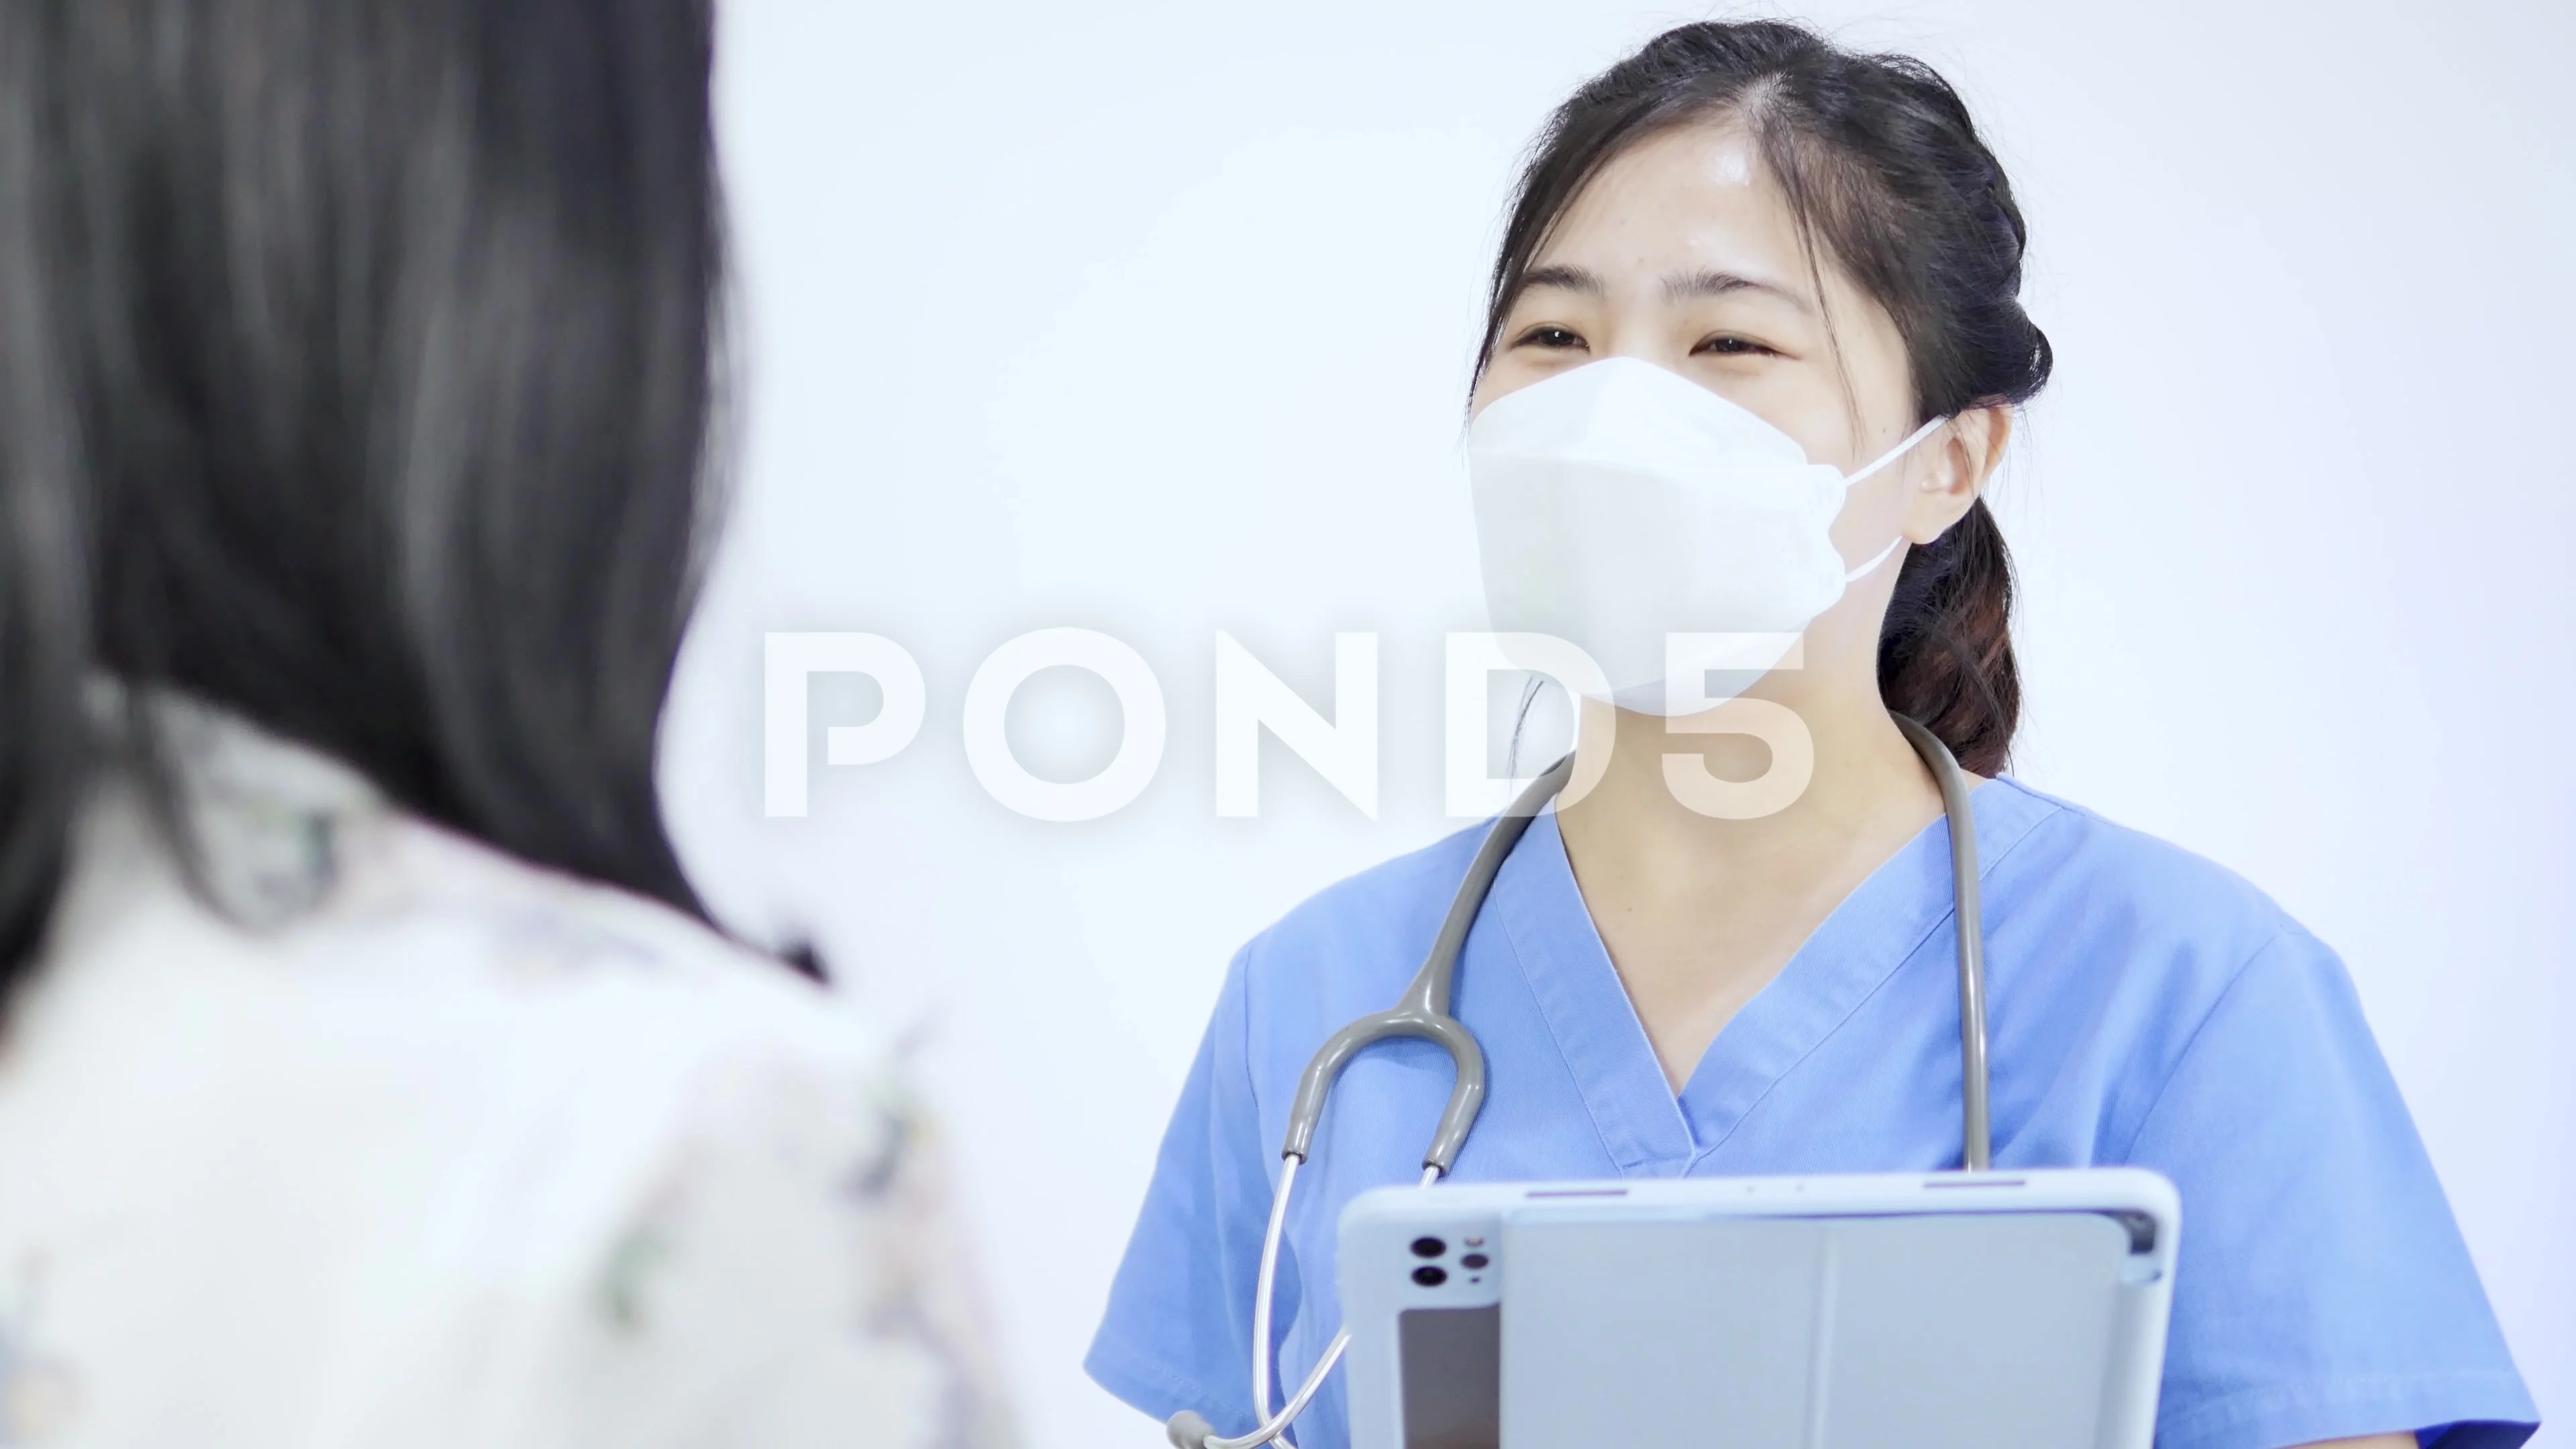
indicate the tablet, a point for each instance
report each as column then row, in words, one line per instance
column 1929, row 1311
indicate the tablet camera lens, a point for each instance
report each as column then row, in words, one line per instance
column 1429, row 1247
column 1430, row 1275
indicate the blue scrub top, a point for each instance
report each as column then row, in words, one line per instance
column 2146, row 1007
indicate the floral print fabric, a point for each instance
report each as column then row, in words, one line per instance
column 353, row 1132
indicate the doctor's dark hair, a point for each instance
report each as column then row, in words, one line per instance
column 357, row 375
column 1887, row 176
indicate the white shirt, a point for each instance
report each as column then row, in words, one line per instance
column 378, row 1137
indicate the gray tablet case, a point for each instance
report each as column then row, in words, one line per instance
column 1924, row 1311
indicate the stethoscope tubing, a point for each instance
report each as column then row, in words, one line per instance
column 1423, row 1010
column 1976, row 1135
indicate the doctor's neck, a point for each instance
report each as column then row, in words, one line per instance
column 1705, row 859
column 1799, row 773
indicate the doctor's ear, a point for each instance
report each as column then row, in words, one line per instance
column 1952, row 471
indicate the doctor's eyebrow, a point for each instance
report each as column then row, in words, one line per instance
column 1682, row 286
column 1678, row 287
column 1570, row 279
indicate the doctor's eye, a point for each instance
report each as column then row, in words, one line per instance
column 1727, row 344
column 1549, row 336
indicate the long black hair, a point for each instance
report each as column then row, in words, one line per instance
column 357, row 374
column 1885, row 173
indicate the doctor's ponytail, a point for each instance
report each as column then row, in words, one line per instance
column 1887, row 176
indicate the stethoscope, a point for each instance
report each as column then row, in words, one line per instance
column 1423, row 1013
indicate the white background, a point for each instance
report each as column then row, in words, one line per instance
column 1155, row 318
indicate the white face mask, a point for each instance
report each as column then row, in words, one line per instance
column 1619, row 504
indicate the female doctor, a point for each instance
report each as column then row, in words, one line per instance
column 1743, row 240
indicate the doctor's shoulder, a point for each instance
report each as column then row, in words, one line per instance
column 1359, row 939
column 2157, row 906
column 2167, row 958
column 2151, row 1008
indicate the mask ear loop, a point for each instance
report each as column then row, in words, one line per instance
column 1890, row 456
column 1864, row 571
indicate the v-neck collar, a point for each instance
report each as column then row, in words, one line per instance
column 1586, row 1006
column 1649, row 1131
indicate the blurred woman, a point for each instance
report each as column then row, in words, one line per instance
column 370, row 1073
